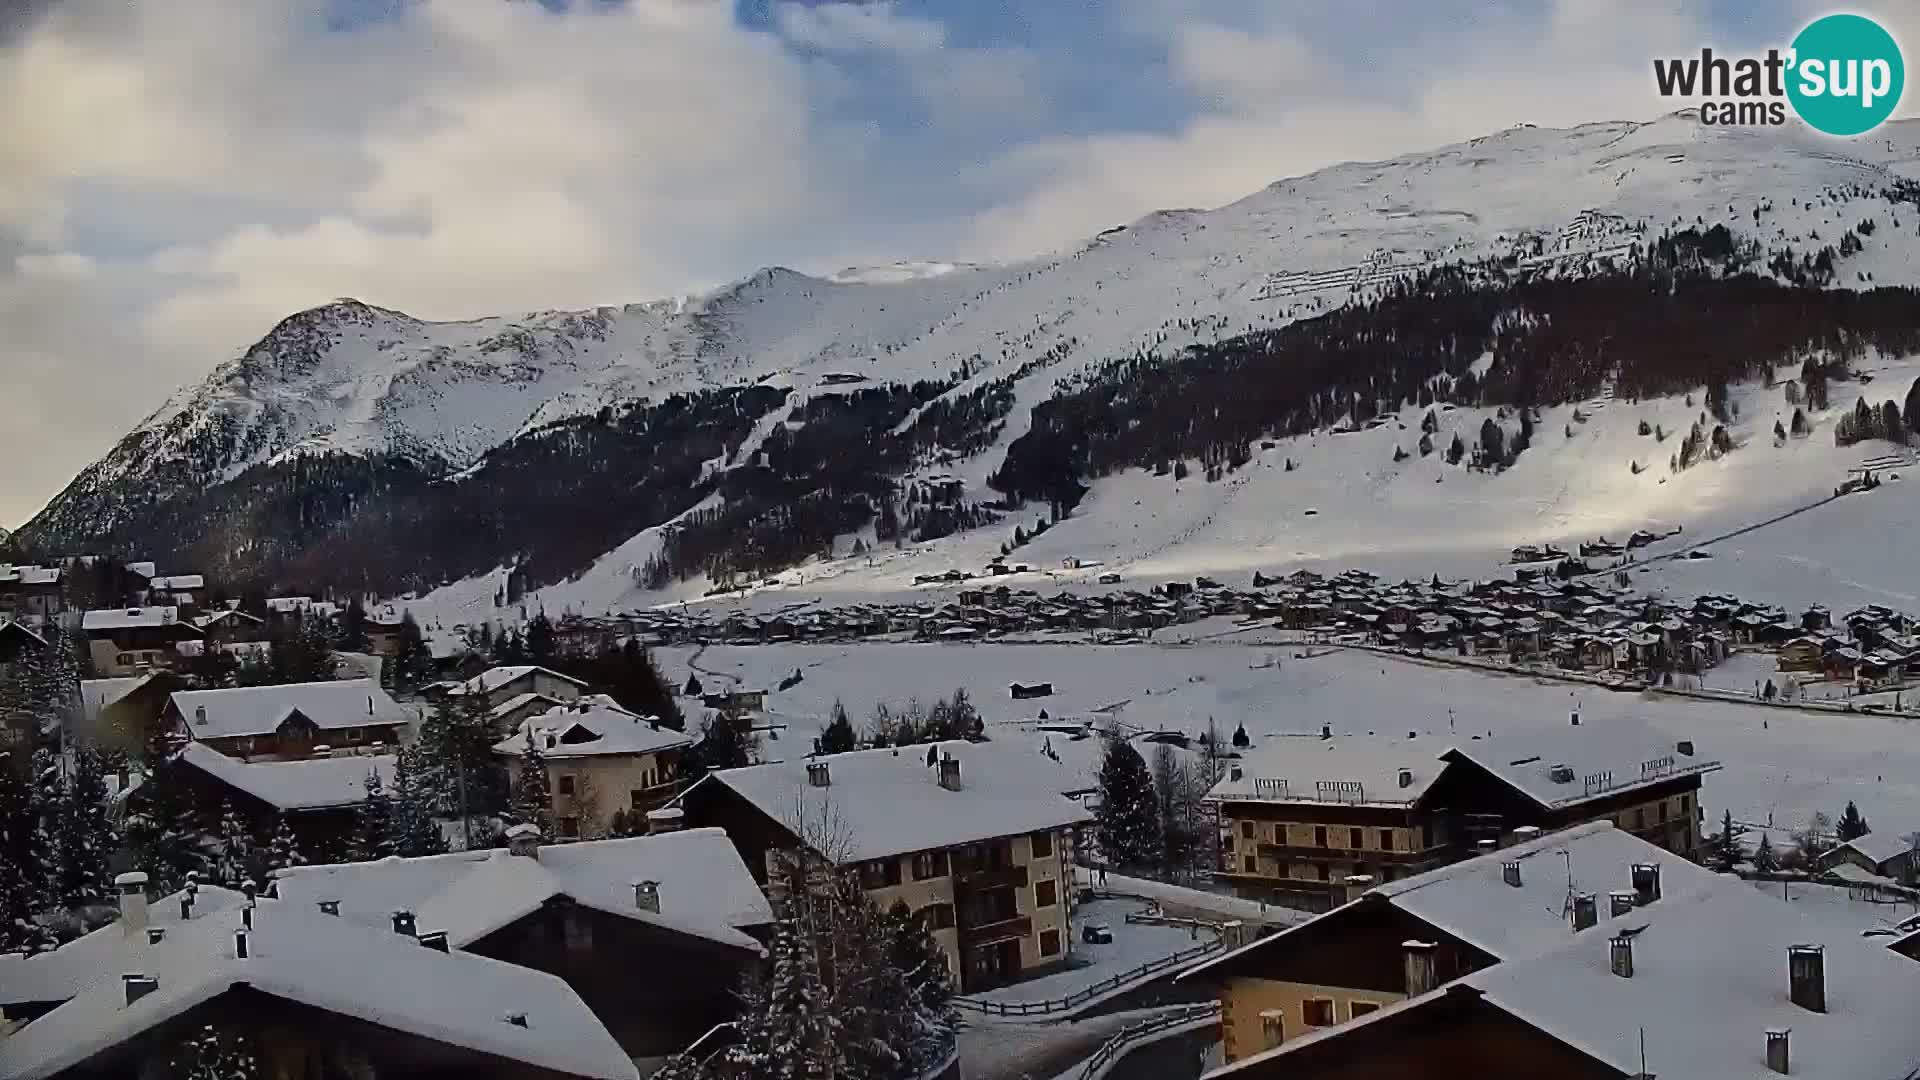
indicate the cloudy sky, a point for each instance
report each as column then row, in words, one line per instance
column 177, row 175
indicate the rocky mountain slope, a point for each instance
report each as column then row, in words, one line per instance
column 724, row 403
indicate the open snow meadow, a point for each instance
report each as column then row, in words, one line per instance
column 1780, row 765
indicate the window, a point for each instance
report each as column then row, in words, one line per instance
column 929, row 864
column 1049, row 942
column 880, row 874
column 566, row 785
column 1042, row 845
column 1356, row 838
column 1358, row 1009
column 1246, row 829
column 1317, row 1012
column 937, row 916
column 1250, row 865
column 1046, row 894
column 570, row 828
column 1640, row 818
column 637, row 797
column 1386, row 839
column 124, row 659
column 1319, row 836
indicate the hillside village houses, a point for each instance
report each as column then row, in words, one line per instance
column 135, row 640
column 326, row 994
column 1396, row 940
column 291, row 721
column 1305, row 820
column 600, row 759
column 976, row 838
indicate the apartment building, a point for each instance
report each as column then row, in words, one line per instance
column 975, row 837
column 1305, row 821
column 134, row 641
column 1399, row 940
column 292, row 720
column 600, row 759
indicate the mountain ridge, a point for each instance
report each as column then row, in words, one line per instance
column 351, row 378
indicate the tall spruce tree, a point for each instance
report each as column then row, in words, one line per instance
column 83, row 834
column 22, row 858
column 532, row 800
column 1127, row 824
column 414, row 830
column 239, row 860
column 284, row 850
column 411, row 665
column 837, row 737
column 373, row 823
column 353, row 627
column 1852, row 824
column 165, row 841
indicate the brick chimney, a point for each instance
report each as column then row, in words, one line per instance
column 1807, row 977
column 132, row 887
column 1421, row 971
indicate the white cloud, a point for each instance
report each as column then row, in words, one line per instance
column 858, row 26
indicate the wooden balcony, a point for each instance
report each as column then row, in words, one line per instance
column 997, row 877
column 1019, row 926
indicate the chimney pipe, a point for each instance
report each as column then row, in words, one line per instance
column 524, row 839
column 665, row 820
column 1620, row 954
column 1646, row 882
column 1406, row 778
column 818, row 775
column 403, row 922
column 435, row 940
column 950, row 773
column 646, row 896
column 1619, row 902
column 240, row 944
column 186, row 908
column 1777, row 1060
column 1576, row 718
column 1326, row 731
column 1422, row 974
column 132, row 887
column 138, row 985
column 1510, row 872
column 246, row 916
column 199, row 714
column 1236, row 773
column 1807, row 977
column 1585, row 912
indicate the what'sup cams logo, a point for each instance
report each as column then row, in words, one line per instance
column 1843, row 75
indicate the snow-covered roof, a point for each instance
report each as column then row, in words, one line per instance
column 705, row 889
column 1472, row 900
column 1880, row 846
column 343, row 968
column 178, row 583
column 14, row 626
column 1709, row 981
column 1604, row 758
column 130, row 618
column 494, row 678
column 889, row 801
column 259, row 710
column 32, row 575
column 144, row 569
column 1359, row 769
column 229, row 615
column 311, row 784
column 518, row 702
column 101, row 693
column 592, row 727
column 107, row 951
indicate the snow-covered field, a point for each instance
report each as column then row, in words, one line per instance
column 1780, row 766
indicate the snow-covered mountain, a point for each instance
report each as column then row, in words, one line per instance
column 361, row 380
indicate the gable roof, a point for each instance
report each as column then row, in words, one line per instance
column 494, row 678
column 260, row 710
column 890, row 802
column 706, row 890
column 1605, row 759
column 133, row 618
column 596, row 726
column 107, row 951
column 310, row 784
column 228, row 615
column 178, row 583
column 1879, row 847
column 340, row 967
column 1472, row 901
column 1307, row 769
column 1709, row 980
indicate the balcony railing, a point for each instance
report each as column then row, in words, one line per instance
column 999, row 929
column 993, row 877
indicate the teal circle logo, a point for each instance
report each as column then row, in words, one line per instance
column 1847, row 75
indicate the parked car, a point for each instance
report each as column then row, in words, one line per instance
column 1097, row 934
